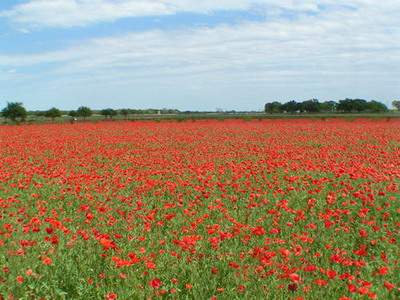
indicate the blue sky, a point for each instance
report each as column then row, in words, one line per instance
column 196, row 55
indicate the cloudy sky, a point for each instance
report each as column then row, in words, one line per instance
column 197, row 54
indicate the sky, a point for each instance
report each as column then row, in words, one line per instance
column 197, row 54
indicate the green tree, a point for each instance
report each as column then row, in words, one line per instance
column 291, row 106
column 352, row 105
column 125, row 112
column 108, row 113
column 375, row 106
column 311, row 106
column 360, row 105
column 84, row 112
column 53, row 113
column 14, row 111
column 328, row 106
column 345, row 105
column 72, row 113
column 38, row 113
column 396, row 104
column 273, row 107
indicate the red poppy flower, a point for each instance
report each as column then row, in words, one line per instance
column 155, row 283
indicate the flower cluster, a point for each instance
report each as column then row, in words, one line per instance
column 272, row 209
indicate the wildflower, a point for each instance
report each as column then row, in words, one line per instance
column 155, row 283
column 20, row 279
column 47, row 261
column 294, row 277
column 258, row 231
column 111, row 296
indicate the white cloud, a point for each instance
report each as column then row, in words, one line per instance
column 333, row 53
column 69, row 13
column 364, row 35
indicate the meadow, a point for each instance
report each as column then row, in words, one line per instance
column 201, row 209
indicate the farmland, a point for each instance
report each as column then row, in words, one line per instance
column 201, row 209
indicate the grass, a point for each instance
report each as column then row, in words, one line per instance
column 270, row 209
column 214, row 116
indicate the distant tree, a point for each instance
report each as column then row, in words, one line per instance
column 84, row 112
column 108, row 113
column 38, row 113
column 376, row 107
column 53, row 113
column 72, row 113
column 125, row 112
column 352, row 105
column 290, row 107
column 14, row 111
column 311, row 106
column 328, row 106
column 396, row 104
column 273, row 107
column 360, row 105
column 135, row 111
column 345, row 105
column 174, row 111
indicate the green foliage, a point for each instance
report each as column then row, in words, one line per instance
column 37, row 113
column 109, row 113
column 274, row 107
column 328, row 106
column 360, row 105
column 14, row 111
column 352, row 105
column 396, row 104
column 84, row 112
column 125, row 112
column 290, row 107
column 375, row 106
column 53, row 113
column 314, row 106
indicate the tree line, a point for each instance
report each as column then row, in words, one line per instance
column 342, row 106
column 16, row 112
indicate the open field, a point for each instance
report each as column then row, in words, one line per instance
column 211, row 115
column 223, row 209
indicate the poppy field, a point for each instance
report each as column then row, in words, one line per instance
column 211, row 209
